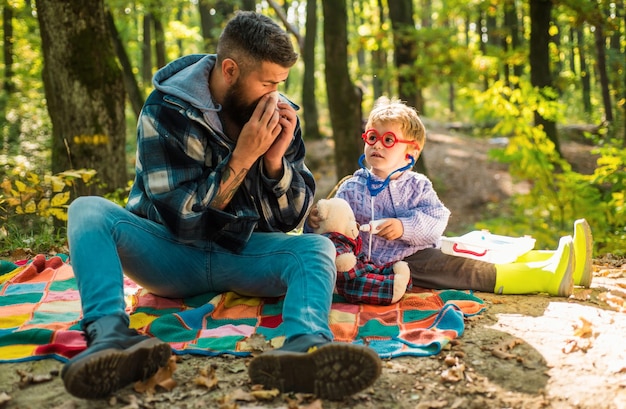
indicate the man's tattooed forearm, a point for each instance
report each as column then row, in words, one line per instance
column 229, row 184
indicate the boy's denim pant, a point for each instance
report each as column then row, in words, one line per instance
column 107, row 241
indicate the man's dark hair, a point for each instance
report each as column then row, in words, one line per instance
column 250, row 38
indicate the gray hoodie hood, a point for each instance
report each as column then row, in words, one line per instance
column 187, row 78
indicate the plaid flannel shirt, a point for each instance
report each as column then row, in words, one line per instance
column 181, row 155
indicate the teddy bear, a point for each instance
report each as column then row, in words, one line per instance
column 358, row 279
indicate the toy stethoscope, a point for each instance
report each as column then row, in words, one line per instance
column 375, row 187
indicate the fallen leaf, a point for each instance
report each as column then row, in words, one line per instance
column 241, row 395
column 433, row 404
column 255, row 343
column 613, row 300
column 265, row 394
column 502, row 350
column 584, row 329
column 162, row 378
column 453, row 374
column 4, row 398
column 573, row 345
column 582, row 294
column 207, row 378
column 27, row 379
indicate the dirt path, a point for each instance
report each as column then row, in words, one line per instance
column 525, row 352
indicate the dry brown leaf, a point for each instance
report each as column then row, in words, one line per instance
column 573, row 345
column 27, row 378
column 454, row 374
column 255, row 343
column 207, row 378
column 582, row 294
column 613, row 300
column 612, row 272
column 502, row 354
column 265, row 394
column 584, row 329
column 4, row 398
column 162, row 378
column 450, row 360
column 433, row 404
column 241, row 395
column 502, row 350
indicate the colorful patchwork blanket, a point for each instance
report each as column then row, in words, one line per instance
column 40, row 313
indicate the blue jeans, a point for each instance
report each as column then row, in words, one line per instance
column 107, row 241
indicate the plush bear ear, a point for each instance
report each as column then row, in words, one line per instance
column 322, row 208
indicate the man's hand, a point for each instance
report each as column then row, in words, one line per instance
column 259, row 133
column 256, row 137
column 314, row 218
column 273, row 159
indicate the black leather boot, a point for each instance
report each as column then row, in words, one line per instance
column 313, row 364
column 116, row 356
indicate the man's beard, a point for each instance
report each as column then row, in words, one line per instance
column 234, row 106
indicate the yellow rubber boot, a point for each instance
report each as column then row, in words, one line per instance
column 552, row 276
column 583, row 253
column 583, row 249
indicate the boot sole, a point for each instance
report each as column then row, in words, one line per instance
column 104, row 372
column 332, row 371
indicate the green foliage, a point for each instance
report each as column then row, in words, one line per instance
column 42, row 239
column 557, row 195
column 31, row 201
column 120, row 196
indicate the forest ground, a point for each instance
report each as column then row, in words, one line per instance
column 530, row 352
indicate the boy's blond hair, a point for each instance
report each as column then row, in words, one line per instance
column 387, row 110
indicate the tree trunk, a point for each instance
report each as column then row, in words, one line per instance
column 379, row 59
column 130, row 81
column 584, row 72
column 604, row 78
column 159, row 41
column 310, row 114
column 494, row 39
column 7, row 25
column 146, row 50
column 403, row 26
column 84, row 91
column 344, row 100
column 206, row 25
column 539, row 58
column 511, row 23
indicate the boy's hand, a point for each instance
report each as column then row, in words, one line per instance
column 390, row 229
column 314, row 219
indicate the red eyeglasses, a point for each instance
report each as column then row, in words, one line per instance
column 388, row 139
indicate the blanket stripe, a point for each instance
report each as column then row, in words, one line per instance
column 40, row 313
